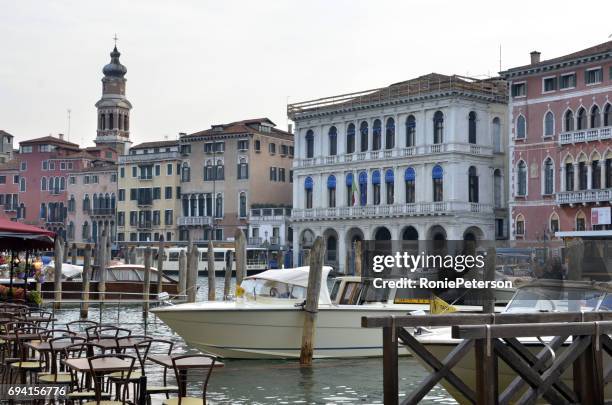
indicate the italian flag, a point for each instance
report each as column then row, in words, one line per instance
column 354, row 192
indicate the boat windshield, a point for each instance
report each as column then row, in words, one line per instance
column 255, row 288
column 555, row 299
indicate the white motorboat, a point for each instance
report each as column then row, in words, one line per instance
column 534, row 297
column 267, row 322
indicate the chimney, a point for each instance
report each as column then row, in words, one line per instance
column 535, row 57
column 290, row 128
column 61, row 136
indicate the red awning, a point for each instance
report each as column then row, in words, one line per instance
column 18, row 236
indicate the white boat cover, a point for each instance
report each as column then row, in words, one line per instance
column 297, row 276
column 68, row 270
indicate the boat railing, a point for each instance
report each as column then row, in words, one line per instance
column 493, row 337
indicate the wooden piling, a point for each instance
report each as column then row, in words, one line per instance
column 101, row 252
column 228, row 275
column 86, row 277
column 312, row 301
column 488, row 306
column 358, row 258
column 57, row 280
column 161, row 254
column 240, row 248
column 211, row 271
column 192, row 273
column 146, row 286
column 73, row 254
column 182, row 276
column 132, row 255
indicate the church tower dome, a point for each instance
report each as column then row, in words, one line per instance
column 114, row 108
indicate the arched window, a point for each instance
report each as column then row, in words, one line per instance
column 521, row 127
column 581, row 122
column 220, row 170
column 308, row 185
column 497, row 188
column 409, row 182
column 520, row 225
column 86, row 203
column 390, row 134
column 438, row 125
column 71, row 204
column 309, row 144
column 243, row 205
column 219, row 206
column 376, row 135
column 438, row 183
column 71, row 230
column 331, row 191
column 96, row 202
column 569, row 176
column 553, row 223
column 569, row 121
column 410, row 131
column 549, row 124
column 363, row 131
column 112, row 202
column 126, row 124
column 102, row 121
column 363, row 188
column 496, row 134
column 43, row 183
column 595, row 117
column 209, row 170
column 350, row 138
column 472, row 127
column 376, row 187
column 549, row 172
column 582, row 175
column 22, row 184
column 472, row 184
column 522, row 179
column 243, row 169
column 390, row 186
column 43, row 210
column 580, row 221
column 111, row 121
column 185, row 172
column 62, row 183
column 85, row 230
column 607, row 115
column 120, row 121
column 333, row 141
column 595, row 174
column 351, row 191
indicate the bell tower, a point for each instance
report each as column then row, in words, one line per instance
column 113, row 107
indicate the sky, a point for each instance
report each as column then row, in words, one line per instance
column 192, row 64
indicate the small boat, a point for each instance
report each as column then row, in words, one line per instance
column 267, row 321
column 123, row 282
column 534, row 297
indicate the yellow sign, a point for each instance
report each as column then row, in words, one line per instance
column 239, row 291
column 439, row 306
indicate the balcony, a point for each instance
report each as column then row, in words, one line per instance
column 390, row 211
column 386, row 154
column 102, row 211
column 149, row 157
column 144, row 225
column 144, row 202
column 269, row 215
column 254, row 241
column 584, row 196
column 11, row 207
column 145, row 178
column 585, row 135
column 195, row 221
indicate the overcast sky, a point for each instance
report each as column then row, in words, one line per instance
column 196, row 63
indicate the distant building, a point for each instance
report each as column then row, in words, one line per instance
column 6, row 146
column 9, row 189
column 92, row 198
column 270, row 227
column 149, row 191
column 421, row 159
column 561, row 144
column 228, row 169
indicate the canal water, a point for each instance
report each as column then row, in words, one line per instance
column 353, row 381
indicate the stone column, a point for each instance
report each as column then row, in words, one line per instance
column 400, row 192
column 296, row 246
column 562, row 179
column 341, row 252
column 589, row 177
column 576, row 177
column 397, row 132
column 602, row 176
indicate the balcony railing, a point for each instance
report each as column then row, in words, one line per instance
column 421, row 150
column 195, row 221
column 149, row 157
column 103, row 211
column 584, row 196
column 144, row 225
column 254, row 241
column 144, row 202
column 395, row 210
column 585, row 135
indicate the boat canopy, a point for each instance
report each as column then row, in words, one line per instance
column 297, row 276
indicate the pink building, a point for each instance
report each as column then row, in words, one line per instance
column 561, row 144
column 9, row 190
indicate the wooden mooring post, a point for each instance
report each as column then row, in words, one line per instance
column 74, row 254
column 211, row 271
column 240, row 248
column 496, row 336
column 229, row 262
column 146, row 285
column 101, row 259
column 488, row 306
column 86, row 277
column 192, row 272
column 182, row 276
column 57, row 274
column 161, row 254
column 311, row 308
column 358, row 257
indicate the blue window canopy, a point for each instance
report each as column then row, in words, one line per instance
column 389, row 176
column 376, row 177
column 351, row 130
column 331, row 182
column 409, row 174
column 363, row 178
column 437, row 172
column 308, row 183
column 349, row 179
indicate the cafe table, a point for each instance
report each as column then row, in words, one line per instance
column 183, row 365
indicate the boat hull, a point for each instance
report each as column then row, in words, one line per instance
column 260, row 333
